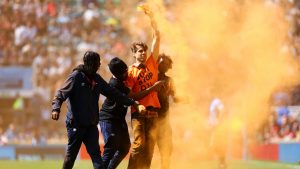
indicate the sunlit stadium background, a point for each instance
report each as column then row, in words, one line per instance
column 245, row 52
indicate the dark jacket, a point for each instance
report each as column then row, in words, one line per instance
column 163, row 95
column 82, row 95
column 112, row 110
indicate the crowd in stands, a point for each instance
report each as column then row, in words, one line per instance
column 282, row 123
column 51, row 36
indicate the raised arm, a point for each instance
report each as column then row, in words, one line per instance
column 156, row 34
column 156, row 39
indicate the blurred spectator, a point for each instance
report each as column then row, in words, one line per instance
column 10, row 133
column 282, row 114
column 280, row 126
column 271, row 130
column 3, row 139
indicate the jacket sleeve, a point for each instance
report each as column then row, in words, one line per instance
column 63, row 93
column 111, row 93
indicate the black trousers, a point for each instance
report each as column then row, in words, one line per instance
column 117, row 142
column 90, row 137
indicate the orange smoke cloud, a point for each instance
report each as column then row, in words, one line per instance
column 226, row 48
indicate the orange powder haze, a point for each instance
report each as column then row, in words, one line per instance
column 234, row 50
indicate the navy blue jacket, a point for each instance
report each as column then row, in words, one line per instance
column 82, row 95
column 110, row 109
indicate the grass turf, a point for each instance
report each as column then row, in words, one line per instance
column 51, row 164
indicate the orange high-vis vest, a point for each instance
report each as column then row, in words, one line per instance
column 140, row 79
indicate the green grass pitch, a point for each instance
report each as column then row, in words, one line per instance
column 48, row 164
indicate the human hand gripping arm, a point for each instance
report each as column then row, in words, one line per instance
column 139, row 95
